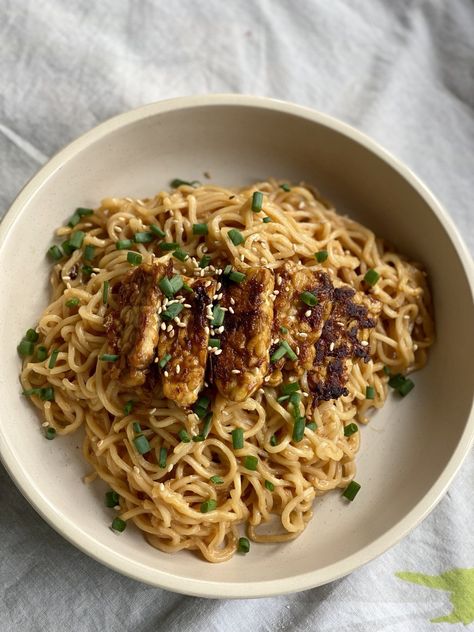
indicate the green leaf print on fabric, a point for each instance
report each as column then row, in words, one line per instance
column 459, row 582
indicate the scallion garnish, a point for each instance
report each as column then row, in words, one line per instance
column 46, row 394
column 127, row 409
column 166, row 287
column 351, row 490
column 53, row 358
column 188, row 288
column 290, row 387
column 298, row 429
column 237, row 438
column 32, row 335
column 172, row 311
column 41, row 354
column 168, row 245
column 237, row 277
column 350, row 429
column 109, row 357
column 285, row 187
column 266, row 220
column 227, row 270
column 278, row 354
column 180, row 254
column 123, row 244
column 87, row 270
column 321, row 256
column 50, row 433
column 201, row 406
column 216, row 480
column 162, row 457
column 207, row 425
column 55, row 253
column 68, row 249
column 270, row 486
column 371, row 277
column 218, row 315
column 289, row 351
column 134, row 258
column 143, row 237
column 200, row 229
column 208, row 505
column 370, row 392
column 243, row 546
column 184, row 436
column 84, row 212
column 105, row 293
column 112, row 499
column 257, row 201
column 205, row 261
column 141, row 444
column 26, row 348
column 214, row 342
column 386, row 370
column 197, row 438
column 118, row 525
column 406, row 387
column 312, row 425
column 89, row 253
column 164, row 360
column 251, row 462
column 76, row 239
column 235, row 236
column 273, row 440
column 137, row 429
column 72, row 302
column 309, row 299
column 177, row 182
column 401, row 384
column 283, row 329
column 157, row 230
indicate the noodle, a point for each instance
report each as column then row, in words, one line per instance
column 165, row 502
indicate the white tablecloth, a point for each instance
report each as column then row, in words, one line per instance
column 402, row 71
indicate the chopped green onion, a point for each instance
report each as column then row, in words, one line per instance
column 109, row 357
column 370, row 392
column 118, row 525
column 157, row 230
column 180, row 254
column 208, row 505
column 74, row 220
column 237, row 277
column 87, row 270
column 137, row 429
column 216, row 480
column 290, row 387
column 282, row 398
column 295, row 400
column 214, row 342
column 32, row 335
column 266, row 220
column 269, row 485
column 47, row 394
column 50, row 433
column 164, row 361
column 207, row 425
column 201, row 406
column 205, row 261
column 285, row 187
column 351, row 490
column 235, row 236
column 105, row 293
column 55, row 253
column 76, row 239
column 227, row 270
column 41, row 354
column 309, row 299
column 89, row 253
column 237, row 438
column 72, row 302
column 166, row 287
column 321, row 256
column 350, row 429
column 134, row 258
column 53, row 359
column 298, row 429
column 172, row 311
column 123, row 244
column 162, row 458
column 371, row 277
column 284, row 330
column 168, row 245
column 68, row 249
column 177, row 182
column 251, row 462
column 312, row 425
column 200, row 229
column 273, row 440
column 187, row 288
column 197, row 438
column 386, row 370
column 83, row 212
column 143, row 237
column 243, row 546
column 26, row 348
column 278, row 354
column 218, row 315
column 127, row 409
column 289, row 351
column 396, row 381
column 111, row 499
column 406, row 387
column 257, row 201
column 184, row 436
column 141, row 444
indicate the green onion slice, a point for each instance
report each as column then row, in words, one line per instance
column 157, row 230
column 50, row 433
column 76, row 239
column 266, row 220
column 143, row 238
column 257, row 201
column 55, row 253
column 123, row 244
column 251, row 462
column 312, row 425
column 134, row 258
column 290, row 387
column 235, row 236
column 164, row 360
column 285, row 187
column 309, row 299
column 72, row 302
column 137, row 429
column 41, row 354
column 109, row 357
column 218, row 315
column 127, row 409
column 208, row 505
column 26, row 348
column 350, row 429
column 216, row 480
column 184, row 436
column 214, row 342
column 172, row 311
column 321, row 256
column 243, row 546
column 112, row 499
column 32, row 335
column 168, row 245
column 237, row 277
column 89, row 253
column 141, row 444
column 53, row 358
column 351, row 490
column 205, row 261
column 273, row 440
column 370, row 392
column 237, row 438
column 200, row 229
column 269, row 485
column 177, row 182
column 298, row 429
column 118, row 525
column 371, row 277
column 180, row 254
column 163, row 457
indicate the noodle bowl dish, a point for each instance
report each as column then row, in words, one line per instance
column 228, row 360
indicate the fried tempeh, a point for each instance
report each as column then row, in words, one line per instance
column 239, row 370
column 186, row 343
column 132, row 327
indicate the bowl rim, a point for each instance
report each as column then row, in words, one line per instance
column 202, row 587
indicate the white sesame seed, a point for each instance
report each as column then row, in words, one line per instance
column 186, row 305
column 45, row 424
column 307, row 313
column 207, row 283
column 181, row 324
column 206, row 330
column 166, row 374
column 407, row 317
column 156, row 360
column 171, row 333
column 178, row 369
column 218, row 351
column 162, row 487
column 169, row 328
column 201, row 273
column 231, row 310
column 242, row 257
column 232, row 300
column 163, row 326
column 68, row 285
column 297, row 350
column 279, row 280
column 364, row 343
column 276, row 292
column 219, row 296
column 302, row 334
column 218, row 286
column 225, row 309
column 220, row 329
column 415, row 347
column 96, row 269
column 267, row 378
column 235, row 371
column 331, row 346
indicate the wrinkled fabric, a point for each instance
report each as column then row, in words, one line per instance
column 402, row 72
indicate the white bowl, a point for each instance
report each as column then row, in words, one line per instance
column 412, row 448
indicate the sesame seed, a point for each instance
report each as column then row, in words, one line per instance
column 297, row 350
column 181, row 324
column 302, row 334
column 219, row 296
column 201, row 273
column 68, row 285
column 307, row 313
column 276, row 292
column 232, row 300
column 170, row 467
column 242, row 257
column 163, row 326
column 166, row 374
column 279, row 280
column 171, row 333
column 45, row 424
column 186, row 305
column 415, row 347
column 260, row 390
column 235, row 371
column 178, row 369
column 364, row 343
column 220, row 329
column 156, row 360
column 207, row 283
column 206, row 330
column 218, row 351
column 267, row 378
column 218, row 286
column 224, row 309
column 169, row 328
column 96, row 269
column 331, row 346
column 231, row 310
column 407, row 317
